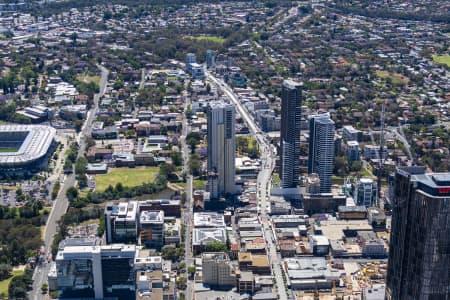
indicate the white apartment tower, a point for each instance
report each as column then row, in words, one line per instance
column 221, row 149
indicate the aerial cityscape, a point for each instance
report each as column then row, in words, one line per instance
column 225, row 150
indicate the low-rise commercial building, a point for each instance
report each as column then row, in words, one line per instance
column 208, row 220
column 256, row 263
column 310, row 273
column 171, row 208
column 203, row 236
column 319, row 244
column 323, row 203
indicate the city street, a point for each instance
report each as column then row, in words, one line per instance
column 61, row 203
column 188, row 212
column 263, row 181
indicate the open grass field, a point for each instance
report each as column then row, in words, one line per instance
column 442, row 59
column 129, row 177
column 2, row 150
column 213, row 39
column 86, row 78
column 4, row 284
column 396, row 78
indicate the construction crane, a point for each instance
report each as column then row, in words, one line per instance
column 380, row 156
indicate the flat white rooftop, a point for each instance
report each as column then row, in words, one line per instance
column 35, row 145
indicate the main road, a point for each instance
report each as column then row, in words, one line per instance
column 61, row 202
column 263, row 181
column 187, row 217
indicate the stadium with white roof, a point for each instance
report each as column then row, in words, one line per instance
column 24, row 149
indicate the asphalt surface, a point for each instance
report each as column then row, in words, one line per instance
column 263, row 183
column 61, row 203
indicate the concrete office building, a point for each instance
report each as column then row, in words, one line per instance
column 352, row 134
column 121, row 224
column 365, row 192
column 291, row 103
column 373, row 152
column 152, row 228
column 419, row 252
column 321, row 149
column 217, row 270
column 92, row 271
column 221, row 149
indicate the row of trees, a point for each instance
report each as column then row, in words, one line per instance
column 71, row 157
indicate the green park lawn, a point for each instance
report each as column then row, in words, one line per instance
column 442, row 59
column 213, row 39
column 4, row 284
column 129, row 177
column 396, row 78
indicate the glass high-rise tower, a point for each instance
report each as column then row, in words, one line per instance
column 321, row 149
column 419, row 252
column 291, row 108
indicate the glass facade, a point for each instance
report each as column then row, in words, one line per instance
column 419, row 256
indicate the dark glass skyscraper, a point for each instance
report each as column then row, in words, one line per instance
column 419, row 253
column 291, row 107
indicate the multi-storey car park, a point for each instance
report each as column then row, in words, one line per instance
column 24, row 149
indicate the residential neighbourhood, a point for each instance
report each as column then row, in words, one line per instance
column 224, row 150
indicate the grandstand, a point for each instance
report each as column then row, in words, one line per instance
column 23, row 148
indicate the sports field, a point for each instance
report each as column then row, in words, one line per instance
column 129, row 177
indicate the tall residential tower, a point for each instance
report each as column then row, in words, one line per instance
column 291, row 104
column 419, row 252
column 321, row 149
column 221, row 149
